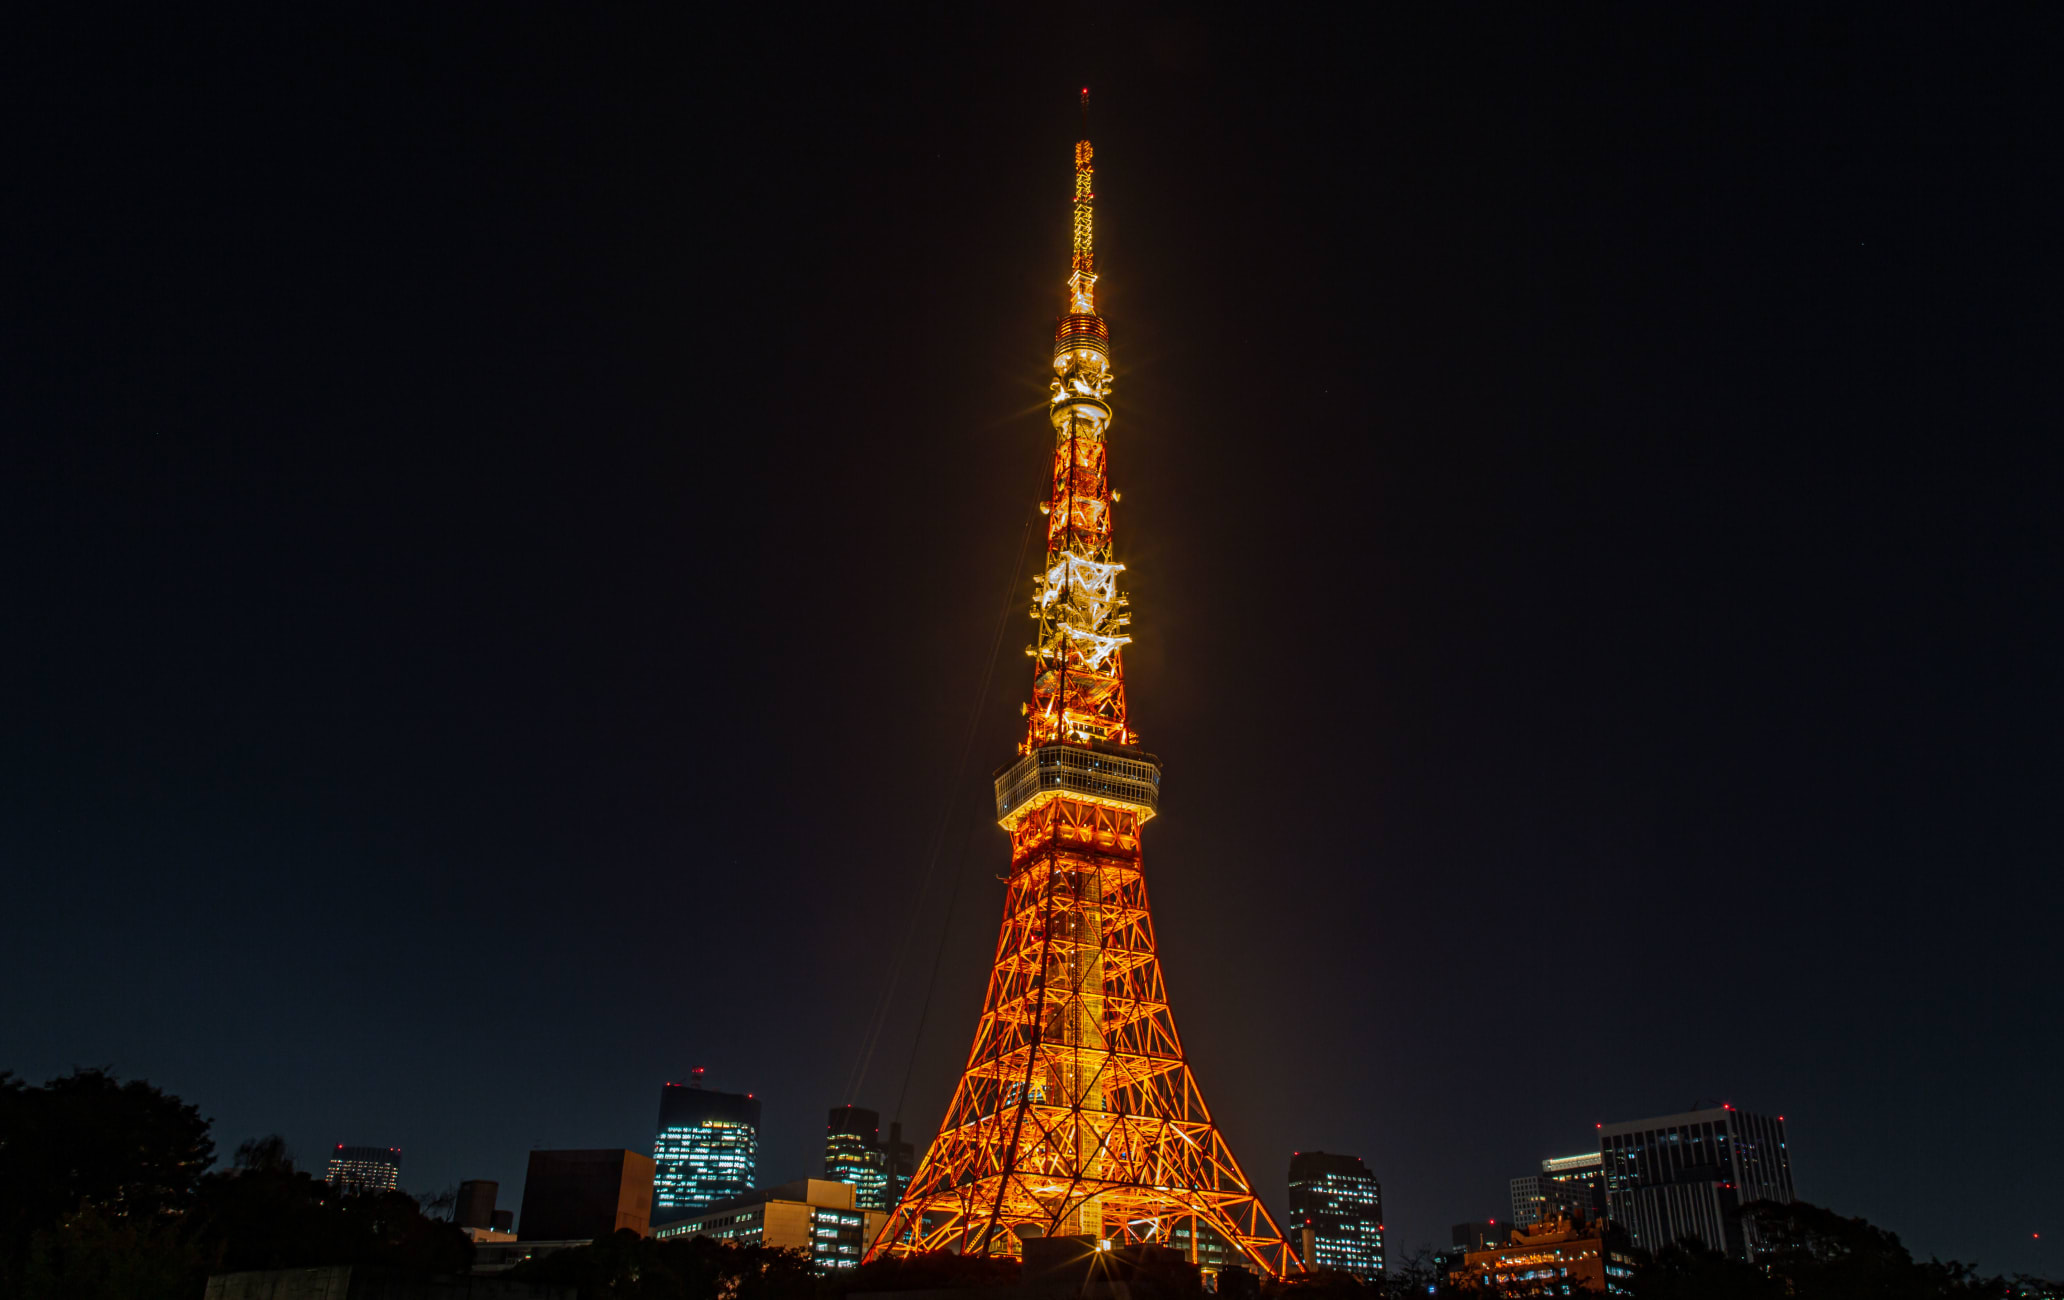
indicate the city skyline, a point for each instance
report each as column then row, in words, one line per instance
column 539, row 496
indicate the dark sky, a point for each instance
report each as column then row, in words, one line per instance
column 504, row 519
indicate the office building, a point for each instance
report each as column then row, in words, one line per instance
column 1686, row 1177
column 1336, row 1214
column 900, row 1159
column 1572, row 1186
column 1203, row 1247
column 813, row 1215
column 707, row 1148
column 364, row 1169
column 1558, row 1257
column 1483, row 1235
column 582, row 1195
column 853, row 1154
column 1586, row 1171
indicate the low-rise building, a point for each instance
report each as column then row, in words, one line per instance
column 582, row 1195
column 813, row 1215
column 1561, row 1256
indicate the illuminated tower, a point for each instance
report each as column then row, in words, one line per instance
column 1077, row 1113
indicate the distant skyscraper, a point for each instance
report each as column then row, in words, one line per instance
column 1572, row 1186
column 1687, row 1176
column 707, row 1148
column 1537, row 1198
column 900, row 1160
column 364, row 1169
column 1586, row 1171
column 853, row 1154
column 1336, row 1214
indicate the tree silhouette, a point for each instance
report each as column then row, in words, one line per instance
column 121, row 1161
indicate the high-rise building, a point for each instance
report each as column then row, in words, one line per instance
column 813, row 1215
column 1078, row 1113
column 1585, row 1170
column 1567, row 1185
column 1336, row 1214
column 899, row 1160
column 364, row 1169
column 707, row 1148
column 853, row 1154
column 1537, row 1198
column 1679, row 1177
column 582, row 1195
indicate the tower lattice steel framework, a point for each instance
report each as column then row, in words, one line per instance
column 1077, row 1112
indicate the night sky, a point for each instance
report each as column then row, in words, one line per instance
column 503, row 521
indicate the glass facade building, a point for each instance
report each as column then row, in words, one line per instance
column 1336, row 1214
column 1680, row 1177
column 853, row 1154
column 707, row 1149
column 364, row 1169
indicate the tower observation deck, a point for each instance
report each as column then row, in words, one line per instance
column 1077, row 1113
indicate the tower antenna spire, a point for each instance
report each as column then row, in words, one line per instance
column 1085, row 112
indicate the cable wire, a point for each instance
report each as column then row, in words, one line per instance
column 879, row 1019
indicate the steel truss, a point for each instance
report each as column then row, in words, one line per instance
column 1077, row 1112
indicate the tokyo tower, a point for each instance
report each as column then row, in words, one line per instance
column 1077, row 1113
